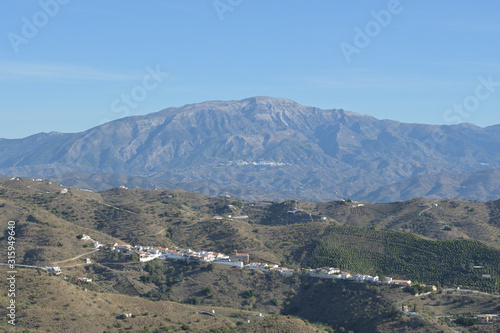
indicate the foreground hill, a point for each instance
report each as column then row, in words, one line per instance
column 50, row 304
column 268, row 148
column 237, row 297
column 273, row 231
column 449, row 263
column 359, row 237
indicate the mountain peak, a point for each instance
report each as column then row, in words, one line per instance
column 271, row 147
column 269, row 100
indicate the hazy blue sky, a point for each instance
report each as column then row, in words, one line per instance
column 68, row 65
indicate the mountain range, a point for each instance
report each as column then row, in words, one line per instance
column 265, row 148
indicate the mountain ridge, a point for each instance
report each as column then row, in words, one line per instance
column 272, row 145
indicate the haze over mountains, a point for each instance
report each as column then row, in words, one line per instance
column 268, row 148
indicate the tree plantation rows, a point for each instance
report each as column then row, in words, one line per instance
column 446, row 263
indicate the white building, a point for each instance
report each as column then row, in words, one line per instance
column 400, row 282
column 257, row 266
column 238, row 264
column 55, row 270
column 172, row 254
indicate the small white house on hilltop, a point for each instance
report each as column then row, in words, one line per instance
column 83, row 279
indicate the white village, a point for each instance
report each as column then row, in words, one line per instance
column 236, row 259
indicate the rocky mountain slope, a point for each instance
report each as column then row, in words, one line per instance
column 268, row 148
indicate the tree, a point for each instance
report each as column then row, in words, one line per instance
column 134, row 257
column 238, row 204
column 463, row 321
column 208, row 291
column 251, row 301
column 248, row 293
column 194, row 300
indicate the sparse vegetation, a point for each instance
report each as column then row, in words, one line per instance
column 50, row 229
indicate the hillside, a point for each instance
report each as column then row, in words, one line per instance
column 435, row 219
column 236, row 296
column 273, row 232
column 359, row 237
column 265, row 148
column 46, row 303
column 447, row 263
